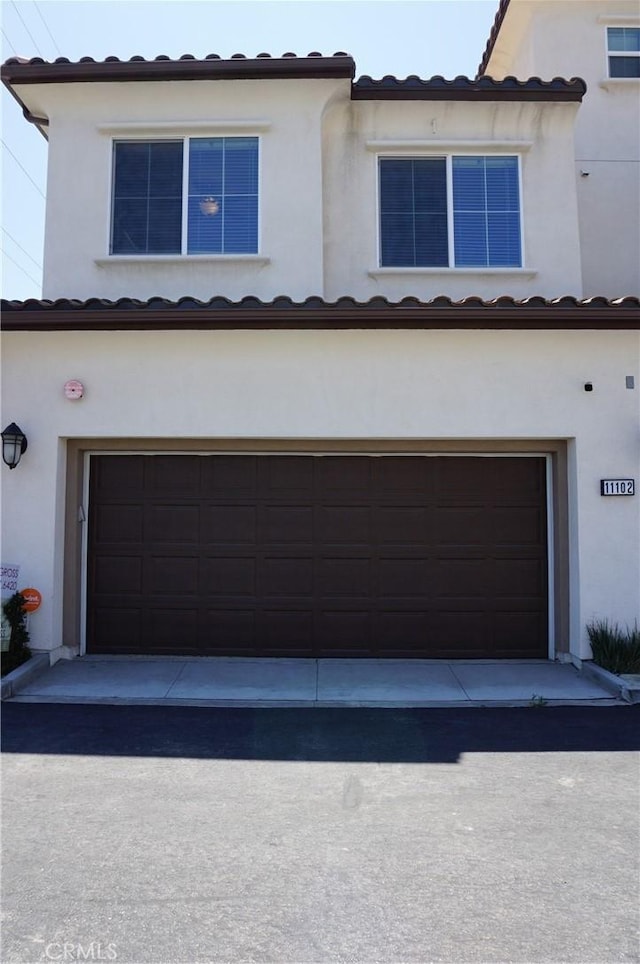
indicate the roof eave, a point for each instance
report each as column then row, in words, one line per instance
column 282, row 313
column 61, row 71
column 493, row 36
column 483, row 89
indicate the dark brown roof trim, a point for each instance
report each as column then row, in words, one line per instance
column 346, row 313
column 493, row 36
column 463, row 88
column 37, row 71
column 61, row 71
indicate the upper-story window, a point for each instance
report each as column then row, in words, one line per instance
column 461, row 211
column 624, row 51
column 194, row 195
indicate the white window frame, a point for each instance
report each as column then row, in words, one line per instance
column 448, row 157
column 619, row 53
column 152, row 137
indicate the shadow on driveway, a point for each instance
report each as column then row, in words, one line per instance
column 315, row 734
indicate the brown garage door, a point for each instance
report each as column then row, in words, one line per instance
column 318, row 556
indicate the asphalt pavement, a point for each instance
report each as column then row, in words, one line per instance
column 171, row 834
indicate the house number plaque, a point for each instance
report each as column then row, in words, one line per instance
column 617, row 486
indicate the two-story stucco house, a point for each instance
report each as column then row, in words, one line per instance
column 353, row 355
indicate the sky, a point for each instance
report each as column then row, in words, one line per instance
column 397, row 37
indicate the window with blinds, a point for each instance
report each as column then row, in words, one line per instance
column 413, row 212
column 461, row 211
column 624, row 51
column 214, row 210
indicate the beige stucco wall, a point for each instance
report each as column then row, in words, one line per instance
column 568, row 38
column 318, row 192
column 357, row 133
column 353, row 385
column 285, row 115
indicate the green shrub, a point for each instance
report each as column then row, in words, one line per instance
column 18, row 651
column 613, row 648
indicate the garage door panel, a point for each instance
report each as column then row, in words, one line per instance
column 228, row 631
column 287, row 477
column 516, row 634
column 508, row 606
column 519, row 577
column 512, row 479
column 171, row 523
column 171, row 629
column 301, row 555
column 463, row 479
column 403, row 476
column 236, row 524
column 178, row 474
column 462, row 578
column 463, row 630
column 405, row 577
column 286, row 524
column 119, row 524
column 230, row 477
column 518, row 525
column 286, row 576
column 339, row 478
column 401, row 633
column 117, row 574
column 344, row 577
column 344, row 633
column 171, row 574
column 401, row 524
column 459, row 525
column 343, row 524
column 116, row 626
column 121, row 474
column 223, row 576
column 286, row 632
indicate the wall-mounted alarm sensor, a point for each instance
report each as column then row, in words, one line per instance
column 73, row 389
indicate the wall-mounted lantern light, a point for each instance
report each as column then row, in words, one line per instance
column 14, row 445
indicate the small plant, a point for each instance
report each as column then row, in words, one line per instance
column 537, row 700
column 18, row 652
column 613, row 648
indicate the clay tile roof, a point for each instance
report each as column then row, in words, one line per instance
column 17, row 70
column 464, row 88
column 493, row 36
column 188, row 313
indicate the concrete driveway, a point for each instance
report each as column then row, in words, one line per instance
column 323, row 682
column 204, row 834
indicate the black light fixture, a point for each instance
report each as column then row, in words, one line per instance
column 14, row 445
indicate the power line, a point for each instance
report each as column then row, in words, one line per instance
column 35, row 281
column 24, row 250
column 24, row 170
column 9, row 42
column 31, row 37
column 46, row 25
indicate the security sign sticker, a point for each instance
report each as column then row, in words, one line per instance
column 32, row 599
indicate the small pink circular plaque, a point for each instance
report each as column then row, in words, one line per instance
column 74, row 389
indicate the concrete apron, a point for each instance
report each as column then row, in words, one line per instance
column 237, row 681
